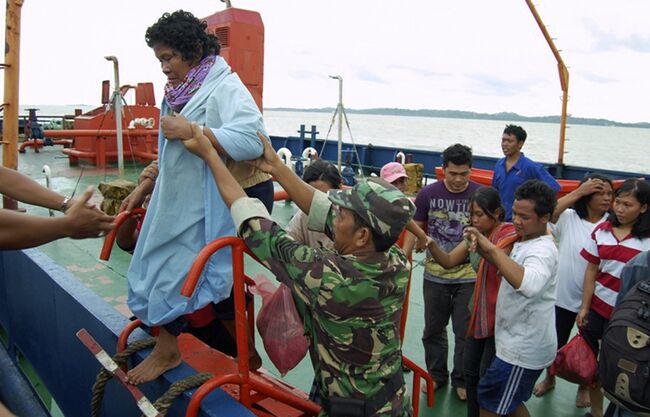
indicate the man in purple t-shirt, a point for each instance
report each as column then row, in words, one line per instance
column 444, row 208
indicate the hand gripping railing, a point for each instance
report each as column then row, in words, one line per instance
column 242, row 378
column 109, row 240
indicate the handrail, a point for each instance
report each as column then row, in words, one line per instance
column 109, row 240
column 242, row 378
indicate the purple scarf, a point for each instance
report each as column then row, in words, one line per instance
column 177, row 97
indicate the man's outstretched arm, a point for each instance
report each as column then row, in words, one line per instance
column 24, row 189
column 21, row 231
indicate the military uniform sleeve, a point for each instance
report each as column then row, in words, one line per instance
column 298, row 266
column 321, row 215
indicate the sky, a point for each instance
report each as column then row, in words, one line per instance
column 473, row 55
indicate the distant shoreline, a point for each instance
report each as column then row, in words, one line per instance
column 46, row 109
column 458, row 114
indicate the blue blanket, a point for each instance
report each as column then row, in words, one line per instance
column 186, row 210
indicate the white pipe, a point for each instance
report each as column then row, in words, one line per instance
column 401, row 156
column 339, row 110
column 117, row 110
column 48, row 175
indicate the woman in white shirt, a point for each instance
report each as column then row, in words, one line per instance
column 574, row 218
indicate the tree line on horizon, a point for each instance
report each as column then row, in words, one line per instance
column 459, row 114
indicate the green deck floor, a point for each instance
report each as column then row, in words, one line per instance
column 108, row 279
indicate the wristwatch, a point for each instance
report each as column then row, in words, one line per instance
column 64, row 205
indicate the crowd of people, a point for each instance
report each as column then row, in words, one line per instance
column 500, row 261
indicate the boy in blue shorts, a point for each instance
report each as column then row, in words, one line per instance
column 525, row 335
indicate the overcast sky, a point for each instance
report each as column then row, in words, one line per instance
column 476, row 55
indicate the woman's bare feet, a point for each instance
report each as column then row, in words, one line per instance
column 582, row 397
column 546, row 385
column 461, row 393
column 165, row 356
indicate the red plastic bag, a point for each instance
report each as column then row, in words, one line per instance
column 280, row 325
column 576, row 362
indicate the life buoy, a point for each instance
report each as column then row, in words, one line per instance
column 285, row 155
column 402, row 158
column 310, row 154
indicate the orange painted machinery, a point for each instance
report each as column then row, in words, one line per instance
column 95, row 138
column 241, row 35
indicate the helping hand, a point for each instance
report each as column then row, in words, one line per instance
column 475, row 239
column 199, row 144
column 175, row 127
column 137, row 196
column 86, row 220
column 269, row 161
column 423, row 244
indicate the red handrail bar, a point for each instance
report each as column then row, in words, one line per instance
column 419, row 373
column 109, row 240
column 243, row 377
column 237, row 246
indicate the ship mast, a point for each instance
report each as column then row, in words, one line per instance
column 564, row 78
column 10, row 102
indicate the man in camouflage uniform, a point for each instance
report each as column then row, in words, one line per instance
column 354, row 293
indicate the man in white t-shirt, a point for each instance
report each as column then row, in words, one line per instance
column 572, row 228
column 525, row 313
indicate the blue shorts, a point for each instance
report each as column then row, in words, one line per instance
column 505, row 386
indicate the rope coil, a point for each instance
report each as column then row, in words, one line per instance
column 163, row 403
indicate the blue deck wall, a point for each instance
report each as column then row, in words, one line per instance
column 42, row 306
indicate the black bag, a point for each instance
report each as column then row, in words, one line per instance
column 624, row 363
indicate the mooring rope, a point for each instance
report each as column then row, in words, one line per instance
column 164, row 402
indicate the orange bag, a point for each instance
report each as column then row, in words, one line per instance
column 280, row 325
column 576, row 362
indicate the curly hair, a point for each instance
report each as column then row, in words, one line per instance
column 185, row 33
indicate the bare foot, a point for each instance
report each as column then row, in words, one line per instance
column 424, row 387
column 165, row 356
column 582, row 397
column 461, row 393
column 543, row 387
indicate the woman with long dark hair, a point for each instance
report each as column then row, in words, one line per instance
column 487, row 215
column 613, row 243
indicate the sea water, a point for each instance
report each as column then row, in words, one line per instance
column 604, row 147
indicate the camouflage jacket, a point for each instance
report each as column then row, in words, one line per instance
column 355, row 302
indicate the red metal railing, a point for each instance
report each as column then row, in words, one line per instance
column 109, row 240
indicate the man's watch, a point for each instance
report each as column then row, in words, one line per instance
column 64, row 205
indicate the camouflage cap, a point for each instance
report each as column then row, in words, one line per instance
column 382, row 206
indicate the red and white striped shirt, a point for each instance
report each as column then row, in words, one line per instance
column 611, row 255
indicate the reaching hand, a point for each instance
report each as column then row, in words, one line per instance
column 175, row 127
column 269, row 161
column 137, row 196
column 475, row 240
column 200, row 145
column 422, row 244
column 85, row 220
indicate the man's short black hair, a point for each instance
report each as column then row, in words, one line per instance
column 457, row 154
column 539, row 193
column 517, row 131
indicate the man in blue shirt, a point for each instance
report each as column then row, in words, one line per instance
column 513, row 170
